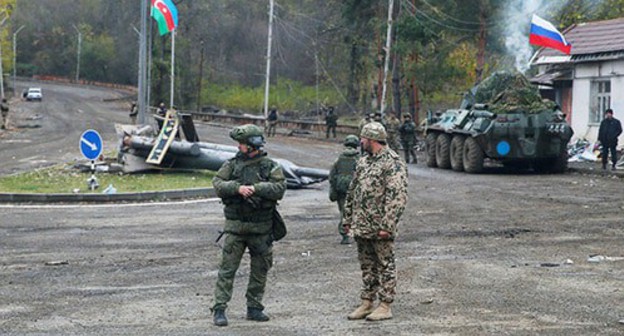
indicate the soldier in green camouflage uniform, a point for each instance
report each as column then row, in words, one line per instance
column 250, row 184
column 392, row 129
column 408, row 137
column 340, row 177
column 375, row 202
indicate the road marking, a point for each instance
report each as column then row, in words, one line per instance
column 18, row 141
column 106, row 205
column 90, row 144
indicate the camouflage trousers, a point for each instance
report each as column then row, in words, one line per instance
column 261, row 254
column 378, row 269
column 341, row 201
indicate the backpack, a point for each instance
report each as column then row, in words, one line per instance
column 344, row 173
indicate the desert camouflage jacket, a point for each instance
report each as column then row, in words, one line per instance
column 377, row 195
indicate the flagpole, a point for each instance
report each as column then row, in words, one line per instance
column 141, row 101
column 386, row 62
column 268, row 66
column 172, row 66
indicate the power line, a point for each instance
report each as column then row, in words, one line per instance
column 425, row 15
column 452, row 18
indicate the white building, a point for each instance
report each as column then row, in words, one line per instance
column 590, row 79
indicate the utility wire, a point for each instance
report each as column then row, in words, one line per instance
column 452, row 18
column 428, row 17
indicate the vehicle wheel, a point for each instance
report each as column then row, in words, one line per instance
column 443, row 151
column 473, row 156
column 560, row 164
column 457, row 152
column 430, row 148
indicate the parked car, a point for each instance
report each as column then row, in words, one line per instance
column 34, row 94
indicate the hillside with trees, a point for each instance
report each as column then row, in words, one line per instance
column 326, row 52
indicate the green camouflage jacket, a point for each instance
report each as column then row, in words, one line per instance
column 251, row 215
column 377, row 195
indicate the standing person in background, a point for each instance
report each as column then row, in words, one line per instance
column 331, row 121
column 4, row 109
column 249, row 185
column 272, row 121
column 162, row 109
column 367, row 118
column 375, row 202
column 408, row 138
column 134, row 112
column 340, row 177
column 392, row 124
column 610, row 130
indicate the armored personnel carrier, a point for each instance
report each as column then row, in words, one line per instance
column 502, row 119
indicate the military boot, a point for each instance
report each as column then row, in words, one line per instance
column 345, row 240
column 383, row 312
column 219, row 319
column 256, row 314
column 362, row 311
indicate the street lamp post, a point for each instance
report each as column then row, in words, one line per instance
column 15, row 56
column 78, row 54
column 1, row 73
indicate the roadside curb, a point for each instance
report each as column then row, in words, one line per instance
column 109, row 198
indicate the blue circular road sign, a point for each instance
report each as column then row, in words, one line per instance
column 91, row 144
column 503, row 148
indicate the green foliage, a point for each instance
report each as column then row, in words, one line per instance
column 64, row 180
column 287, row 95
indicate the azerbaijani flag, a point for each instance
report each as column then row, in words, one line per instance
column 544, row 34
column 166, row 14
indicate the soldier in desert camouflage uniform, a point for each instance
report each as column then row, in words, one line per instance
column 375, row 202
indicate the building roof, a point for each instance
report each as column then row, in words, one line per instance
column 599, row 38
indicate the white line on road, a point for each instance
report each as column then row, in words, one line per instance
column 106, row 205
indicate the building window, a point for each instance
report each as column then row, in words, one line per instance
column 600, row 100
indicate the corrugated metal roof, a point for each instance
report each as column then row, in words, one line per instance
column 599, row 37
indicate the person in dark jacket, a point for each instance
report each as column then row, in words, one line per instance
column 610, row 130
column 331, row 121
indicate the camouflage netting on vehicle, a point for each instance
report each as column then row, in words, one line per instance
column 507, row 92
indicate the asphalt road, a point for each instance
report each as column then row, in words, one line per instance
column 500, row 253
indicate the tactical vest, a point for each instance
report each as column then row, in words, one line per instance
column 253, row 209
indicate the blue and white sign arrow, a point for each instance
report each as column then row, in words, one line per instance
column 91, row 144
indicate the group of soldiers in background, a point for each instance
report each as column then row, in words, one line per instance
column 403, row 133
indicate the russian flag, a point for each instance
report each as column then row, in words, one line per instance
column 544, row 34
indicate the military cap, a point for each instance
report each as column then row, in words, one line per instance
column 407, row 115
column 374, row 131
column 351, row 141
column 248, row 134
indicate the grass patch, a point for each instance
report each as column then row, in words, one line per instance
column 64, row 179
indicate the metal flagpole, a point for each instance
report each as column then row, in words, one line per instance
column 172, row 66
column 142, row 64
column 386, row 62
column 268, row 66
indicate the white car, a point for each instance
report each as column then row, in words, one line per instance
column 34, row 94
